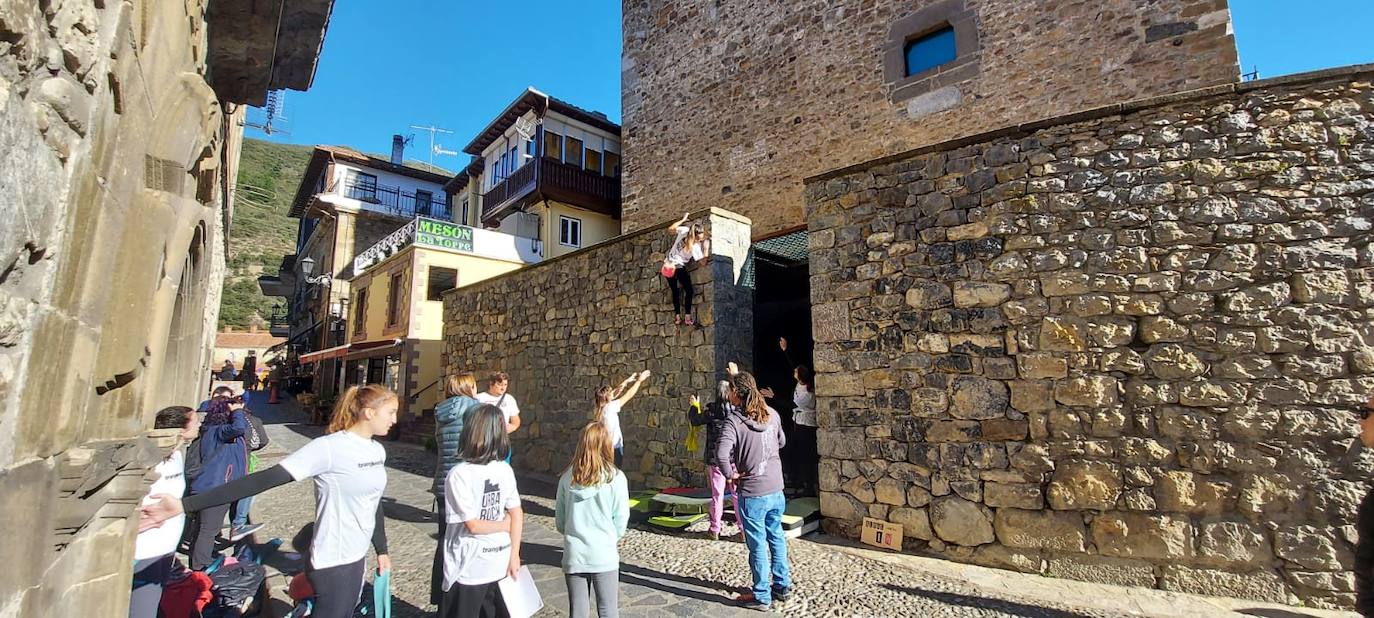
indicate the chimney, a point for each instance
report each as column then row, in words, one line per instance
column 398, row 147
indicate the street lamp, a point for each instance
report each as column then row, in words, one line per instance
column 308, row 266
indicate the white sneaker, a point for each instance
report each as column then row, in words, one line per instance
column 243, row 531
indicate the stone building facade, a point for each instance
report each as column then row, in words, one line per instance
column 732, row 104
column 1121, row 345
column 119, row 143
column 566, row 326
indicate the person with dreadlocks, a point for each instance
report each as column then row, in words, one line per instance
column 747, row 453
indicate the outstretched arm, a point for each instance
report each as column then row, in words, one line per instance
column 167, row 506
column 672, row 229
column 634, row 388
column 782, row 343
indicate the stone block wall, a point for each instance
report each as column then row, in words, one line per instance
column 734, row 103
column 1121, row 346
column 117, row 168
column 564, row 327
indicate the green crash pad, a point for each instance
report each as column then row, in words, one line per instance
column 676, row 522
column 802, row 514
column 642, row 500
column 681, row 505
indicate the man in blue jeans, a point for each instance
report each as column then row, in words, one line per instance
column 747, row 453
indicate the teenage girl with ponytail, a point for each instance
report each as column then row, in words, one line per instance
column 608, row 404
column 349, row 470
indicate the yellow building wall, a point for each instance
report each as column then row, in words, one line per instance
column 377, row 281
column 422, row 320
column 427, row 321
column 429, row 366
column 596, row 227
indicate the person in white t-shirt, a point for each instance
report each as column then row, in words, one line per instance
column 498, row 383
column 349, row 470
column 482, row 507
column 609, row 402
column 690, row 245
column 155, row 549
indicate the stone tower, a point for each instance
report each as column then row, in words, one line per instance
column 731, row 104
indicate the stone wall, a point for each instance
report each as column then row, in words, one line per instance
column 1120, row 346
column 566, row 326
column 733, row 103
column 117, row 165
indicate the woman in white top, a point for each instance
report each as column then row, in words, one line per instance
column 608, row 404
column 690, row 245
column 154, row 549
column 349, row 470
column 803, row 440
column 482, row 508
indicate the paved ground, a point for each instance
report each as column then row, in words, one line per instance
column 684, row 576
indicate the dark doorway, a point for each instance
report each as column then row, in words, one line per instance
column 779, row 273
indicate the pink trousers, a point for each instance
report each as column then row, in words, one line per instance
column 718, row 484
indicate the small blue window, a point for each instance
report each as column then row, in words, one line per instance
column 930, row 51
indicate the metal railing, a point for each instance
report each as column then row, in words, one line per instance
column 396, row 201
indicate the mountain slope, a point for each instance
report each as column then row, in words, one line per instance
column 261, row 232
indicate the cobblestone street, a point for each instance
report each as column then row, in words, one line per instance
column 664, row 574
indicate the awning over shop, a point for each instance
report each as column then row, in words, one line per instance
column 370, row 349
column 326, row 353
column 361, row 349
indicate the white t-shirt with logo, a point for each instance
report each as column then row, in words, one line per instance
column 484, row 492
column 509, row 408
column 610, row 418
column 350, row 476
column 171, row 481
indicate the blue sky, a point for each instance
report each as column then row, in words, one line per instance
column 457, row 63
column 389, row 64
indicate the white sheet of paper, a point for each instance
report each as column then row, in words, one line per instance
column 521, row 596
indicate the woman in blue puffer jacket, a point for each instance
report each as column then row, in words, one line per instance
column 223, row 458
column 448, row 426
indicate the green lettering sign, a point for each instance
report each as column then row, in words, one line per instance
column 443, row 234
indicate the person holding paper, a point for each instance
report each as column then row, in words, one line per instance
column 482, row 507
column 591, row 511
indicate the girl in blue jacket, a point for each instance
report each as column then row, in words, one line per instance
column 591, row 511
column 223, row 457
column 449, row 417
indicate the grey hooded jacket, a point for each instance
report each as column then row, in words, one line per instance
column 751, row 449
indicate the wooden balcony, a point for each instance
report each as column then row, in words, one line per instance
column 549, row 179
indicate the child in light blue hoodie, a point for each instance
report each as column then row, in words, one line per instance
column 591, row 511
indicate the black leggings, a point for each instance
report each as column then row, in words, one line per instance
column 479, row 601
column 436, row 572
column 681, row 278
column 208, row 522
column 337, row 589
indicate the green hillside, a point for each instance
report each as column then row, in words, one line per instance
column 261, row 232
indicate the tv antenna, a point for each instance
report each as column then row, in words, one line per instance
column 273, row 110
column 433, row 148
column 1252, row 75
